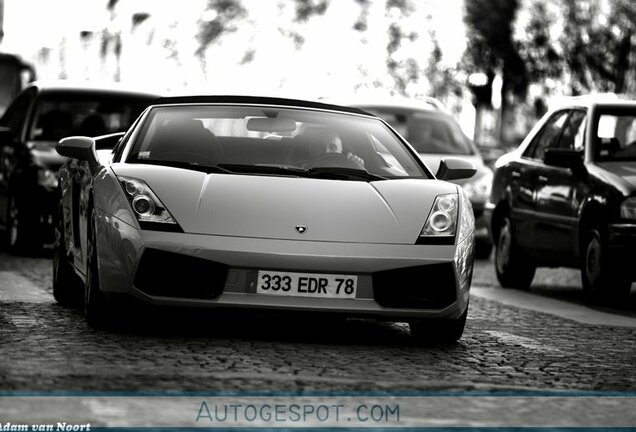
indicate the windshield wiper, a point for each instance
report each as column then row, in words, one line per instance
column 265, row 169
column 342, row 173
column 208, row 169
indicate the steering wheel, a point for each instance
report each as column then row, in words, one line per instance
column 185, row 157
column 333, row 160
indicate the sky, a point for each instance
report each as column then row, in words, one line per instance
column 329, row 63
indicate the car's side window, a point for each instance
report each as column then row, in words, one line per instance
column 547, row 137
column 16, row 114
column 574, row 131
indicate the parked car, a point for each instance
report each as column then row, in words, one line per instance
column 435, row 134
column 567, row 197
column 247, row 202
column 36, row 120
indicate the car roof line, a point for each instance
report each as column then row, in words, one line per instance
column 256, row 100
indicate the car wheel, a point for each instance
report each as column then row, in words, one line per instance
column 21, row 234
column 95, row 305
column 65, row 281
column 512, row 267
column 600, row 279
column 483, row 249
column 438, row 331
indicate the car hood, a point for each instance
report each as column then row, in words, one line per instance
column 45, row 156
column 391, row 211
column 623, row 173
column 432, row 161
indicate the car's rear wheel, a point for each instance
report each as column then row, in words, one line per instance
column 513, row 268
column 438, row 331
column 601, row 279
column 65, row 281
column 96, row 307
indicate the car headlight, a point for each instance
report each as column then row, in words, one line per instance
column 479, row 189
column 441, row 223
column 628, row 209
column 147, row 208
column 47, row 178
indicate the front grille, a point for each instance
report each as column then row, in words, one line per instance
column 422, row 287
column 170, row 274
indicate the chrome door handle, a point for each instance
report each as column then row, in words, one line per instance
column 542, row 179
column 515, row 174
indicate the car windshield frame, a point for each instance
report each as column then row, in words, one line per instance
column 138, row 149
column 601, row 145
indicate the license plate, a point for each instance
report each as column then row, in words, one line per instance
column 306, row 284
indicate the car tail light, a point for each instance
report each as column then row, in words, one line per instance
column 147, row 208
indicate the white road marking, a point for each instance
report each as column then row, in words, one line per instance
column 526, row 342
column 16, row 288
column 570, row 311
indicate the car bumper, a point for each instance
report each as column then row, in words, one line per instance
column 622, row 244
column 482, row 234
column 191, row 270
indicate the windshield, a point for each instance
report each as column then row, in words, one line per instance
column 428, row 132
column 272, row 141
column 59, row 115
column 616, row 135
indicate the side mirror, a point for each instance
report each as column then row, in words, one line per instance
column 564, row 158
column 455, row 169
column 108, row 142
column 78, row 147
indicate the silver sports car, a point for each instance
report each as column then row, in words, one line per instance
column 275, row 204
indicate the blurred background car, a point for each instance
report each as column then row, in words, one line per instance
column 35, row 121
column 567, row 197
column 434, row 134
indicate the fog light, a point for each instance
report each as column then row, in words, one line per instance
column 143, row 205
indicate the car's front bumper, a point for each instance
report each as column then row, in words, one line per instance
column 232, row 263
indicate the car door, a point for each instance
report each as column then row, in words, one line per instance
column 523, row 175
column 557, row 198
column 12, row 148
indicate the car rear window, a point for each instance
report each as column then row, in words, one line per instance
column 271, row 136
column 428, row 132
column 615, row 138
column 59, row 115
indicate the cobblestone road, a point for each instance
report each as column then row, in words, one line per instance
column 44, row 346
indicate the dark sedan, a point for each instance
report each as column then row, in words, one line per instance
column 567, row 197
column 35, row 121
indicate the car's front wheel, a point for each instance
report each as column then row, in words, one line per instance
column 96, row 307
column 438, row 331
column 601, row 279
column 21, row 231
column 65, row 281
column 514, row 270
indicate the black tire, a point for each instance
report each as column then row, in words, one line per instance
column 601, row 279
column 96, row 308
column 513, row 268
column 483, row 249
column 65, row 281
column 21, row 233
column 438, row 331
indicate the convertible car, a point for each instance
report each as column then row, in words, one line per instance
column 264, row 203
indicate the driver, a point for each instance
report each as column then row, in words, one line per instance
column 332, row 143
